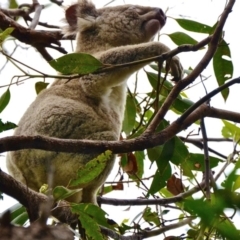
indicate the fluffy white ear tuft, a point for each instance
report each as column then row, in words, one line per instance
column 84, row 24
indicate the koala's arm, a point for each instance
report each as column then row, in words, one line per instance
column 126, row 54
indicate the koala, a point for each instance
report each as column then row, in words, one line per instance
column 91, row 106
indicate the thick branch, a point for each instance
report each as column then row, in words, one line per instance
column 33, row 200
column 88, row 146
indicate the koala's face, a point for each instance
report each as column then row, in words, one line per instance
column 129, row 24
column 114, row 26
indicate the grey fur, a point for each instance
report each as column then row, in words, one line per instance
column 91, row 107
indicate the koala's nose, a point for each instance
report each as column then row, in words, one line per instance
column 161, row 16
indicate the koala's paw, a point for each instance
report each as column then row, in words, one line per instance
column 176, row 69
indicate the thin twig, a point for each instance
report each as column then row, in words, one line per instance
column 198, row 143
column 38, row 9
column 206, row 158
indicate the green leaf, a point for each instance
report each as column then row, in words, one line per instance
column 76, row 63
column 180, row 105
column 60, row 192
column 222, row 65
column 196, row 162
column 92, row 229
column 160, row 179
column 18, row 214
column 166, row 154
column 21, row 219
column 192, row 234
column 230, row 130
column 211, row 215
column 180, row 152
column 236, row 184
column 153, row 80
column 154, row 153
column 140, row 165
column 95, row 212
column 129, row 115
column 164, row 169
column 151, row 217
column 124, row 227
column 4, row 100
column 13, row 4
column 180, row 38
column 91, row 170
column 5, row 34
column 124, row 160
column 107, row 189
column 232, row 181
column 194, row 26
column 39, row 86
column 6, row 126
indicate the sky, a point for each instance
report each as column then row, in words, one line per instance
column 205, row 11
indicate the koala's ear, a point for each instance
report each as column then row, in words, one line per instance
column 71, row 15
column 71, row 19
column 80, row 17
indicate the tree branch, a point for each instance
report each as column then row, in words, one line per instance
column 140, row 143
column 33, row 200
column 36, row 38
column 195, row 73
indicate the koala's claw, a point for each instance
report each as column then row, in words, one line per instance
column 176, row 69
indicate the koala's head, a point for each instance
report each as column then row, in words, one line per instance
column 113, row 26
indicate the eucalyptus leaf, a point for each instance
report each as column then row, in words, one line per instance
column 196, row 162
column 60, row 192
column 180, row 105
column 6, row 126
column 5, row 34
column 13, row 4
column 129, row 115
column 180, row 152
column 95, row 212
column 223, row 66
column 39, row 86
column 180, row 38
column 91, row 170
column 230, row 130
column 151, row 216
column 76, row 63
column 160, row 178
column 4, row 99
column 193, row 26
column 18, row 214
column 92, row 229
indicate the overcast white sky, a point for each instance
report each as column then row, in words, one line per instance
column 205, row 11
